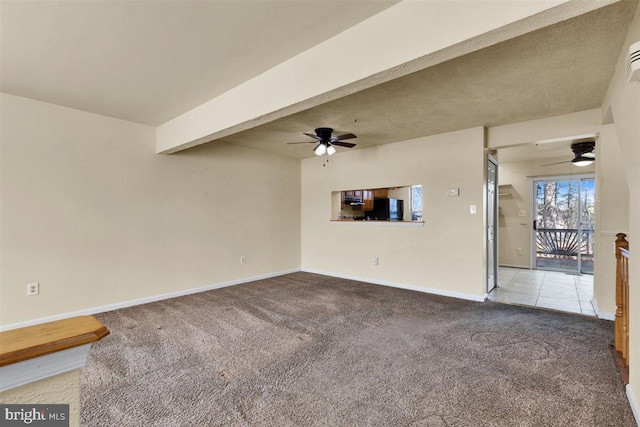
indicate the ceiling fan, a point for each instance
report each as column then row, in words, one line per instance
column 326, row 142
column 583, row 154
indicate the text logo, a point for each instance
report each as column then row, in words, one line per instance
column 34, row 415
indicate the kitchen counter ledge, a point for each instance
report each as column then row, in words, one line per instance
column 380, row 223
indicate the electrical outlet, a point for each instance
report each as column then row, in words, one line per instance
column 376, row 261
column 522, row 213
column 519, row 251
column 33, row 289
column 243, row 260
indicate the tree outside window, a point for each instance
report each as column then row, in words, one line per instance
column 416, row 203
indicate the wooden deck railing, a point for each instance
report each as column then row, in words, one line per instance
column 622, row 297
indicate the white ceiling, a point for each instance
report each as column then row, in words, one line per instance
column 149, row 61
column 560, row 69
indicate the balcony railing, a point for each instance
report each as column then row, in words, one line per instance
column 560, row 247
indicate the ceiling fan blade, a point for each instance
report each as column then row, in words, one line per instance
column 345, row 136
column 343, row 144
column 312, row 135
column 303, row 142
column 556, row 163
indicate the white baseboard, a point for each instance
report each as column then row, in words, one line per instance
column 139, row 301
column 526, row 267
column 602, row 314
column 434, row 291
column 634, row 403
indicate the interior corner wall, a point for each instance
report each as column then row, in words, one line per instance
column 90, row 212
column 516, row 186
column 623, row 102
column 612, row 216
column 446, row 255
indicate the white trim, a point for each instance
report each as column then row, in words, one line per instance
column 139, row 301
column 459, row 295
column 533, row 208
column 382, row 223
column 602, row 314
column 46, row 366
column 526, row 267
column 634, row 403
column 613, row 233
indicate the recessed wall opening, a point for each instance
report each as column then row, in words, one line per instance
column 545, row 233
column 402, row 203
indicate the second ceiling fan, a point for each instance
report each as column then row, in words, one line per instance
column 582, row 152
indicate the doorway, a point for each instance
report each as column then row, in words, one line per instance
column 563, row 224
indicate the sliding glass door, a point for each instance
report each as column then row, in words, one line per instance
column 564, row 223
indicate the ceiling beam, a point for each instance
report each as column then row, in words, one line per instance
column 580, row 125
column 407, row 37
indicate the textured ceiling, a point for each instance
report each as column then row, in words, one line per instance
column 149, row 61
column 558, row 70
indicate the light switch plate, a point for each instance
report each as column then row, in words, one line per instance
column 453, row 192
column 473, row 210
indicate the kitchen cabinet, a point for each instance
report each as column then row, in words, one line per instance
column 351, row 194
column 381, row 193
column 358, row 195
column 366, row 196
column 367, row 199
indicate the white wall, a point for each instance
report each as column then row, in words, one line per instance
column 622, row 104
column 447, row 254
column 96, row 217
column 612, row 216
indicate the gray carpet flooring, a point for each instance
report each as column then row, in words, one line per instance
column 310, row 350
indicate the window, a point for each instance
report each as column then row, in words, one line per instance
column 416, row 203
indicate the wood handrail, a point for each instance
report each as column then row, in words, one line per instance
column 622, row 297
column 18, row 345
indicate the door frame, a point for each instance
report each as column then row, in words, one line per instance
column 533, row 212
column 492, row 219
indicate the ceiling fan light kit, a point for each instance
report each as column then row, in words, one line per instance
column 326, row 142
column 582, row 161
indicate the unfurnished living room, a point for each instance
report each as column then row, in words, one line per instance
column 319, row 213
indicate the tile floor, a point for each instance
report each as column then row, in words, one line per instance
column 545, row 289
